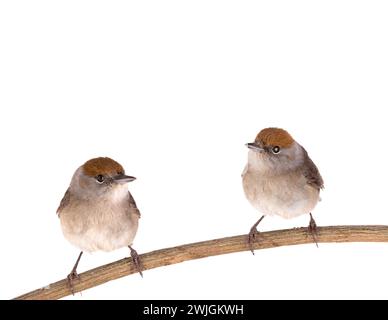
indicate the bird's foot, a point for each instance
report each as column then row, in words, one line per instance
column 253, row 233
column 313, row 230
column 73, row 275
column 136, row 260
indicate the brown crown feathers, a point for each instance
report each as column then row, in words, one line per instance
column 103, row 166
column 274, row 137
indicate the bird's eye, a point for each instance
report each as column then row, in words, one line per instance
column 276, row 150
column 100, row 178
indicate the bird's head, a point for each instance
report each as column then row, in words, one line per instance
column 99, row 176
column 274, row 150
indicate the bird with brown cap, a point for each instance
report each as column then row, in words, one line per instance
column 280, row 179
column 98, row 212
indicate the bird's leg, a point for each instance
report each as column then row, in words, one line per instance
column 73, row 274
column 312, row 229
column 136, row 260
column 252, row 234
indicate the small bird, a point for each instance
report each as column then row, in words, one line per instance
column 98, row 212
column 280, row 179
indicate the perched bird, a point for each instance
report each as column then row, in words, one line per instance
column 98, row 212
column 280, row 179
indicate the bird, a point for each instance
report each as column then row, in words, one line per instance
column 98, row 213
column 280, row 179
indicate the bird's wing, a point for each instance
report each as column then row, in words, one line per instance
column 312, row 174
column 64, row 202
column 132, row 204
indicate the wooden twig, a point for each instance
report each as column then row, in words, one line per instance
column 209, row 248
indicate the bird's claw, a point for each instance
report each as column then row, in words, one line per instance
column 313, row 230
column 252, row 238
column 252, row 235
column 136, row 260
column 73, row 275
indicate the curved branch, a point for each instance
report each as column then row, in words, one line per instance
column 165, row 257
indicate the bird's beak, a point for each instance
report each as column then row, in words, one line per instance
column 253, row 146
column 122, row 178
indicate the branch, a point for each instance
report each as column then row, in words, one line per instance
column 165, row 257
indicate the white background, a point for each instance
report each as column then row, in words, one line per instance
column 173, row 90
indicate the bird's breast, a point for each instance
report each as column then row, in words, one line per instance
column 99, row 225
column 287, row 195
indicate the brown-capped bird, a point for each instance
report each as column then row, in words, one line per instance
column 98, row 212
column 280, row 179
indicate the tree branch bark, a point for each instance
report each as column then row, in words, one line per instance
column 165, row 257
